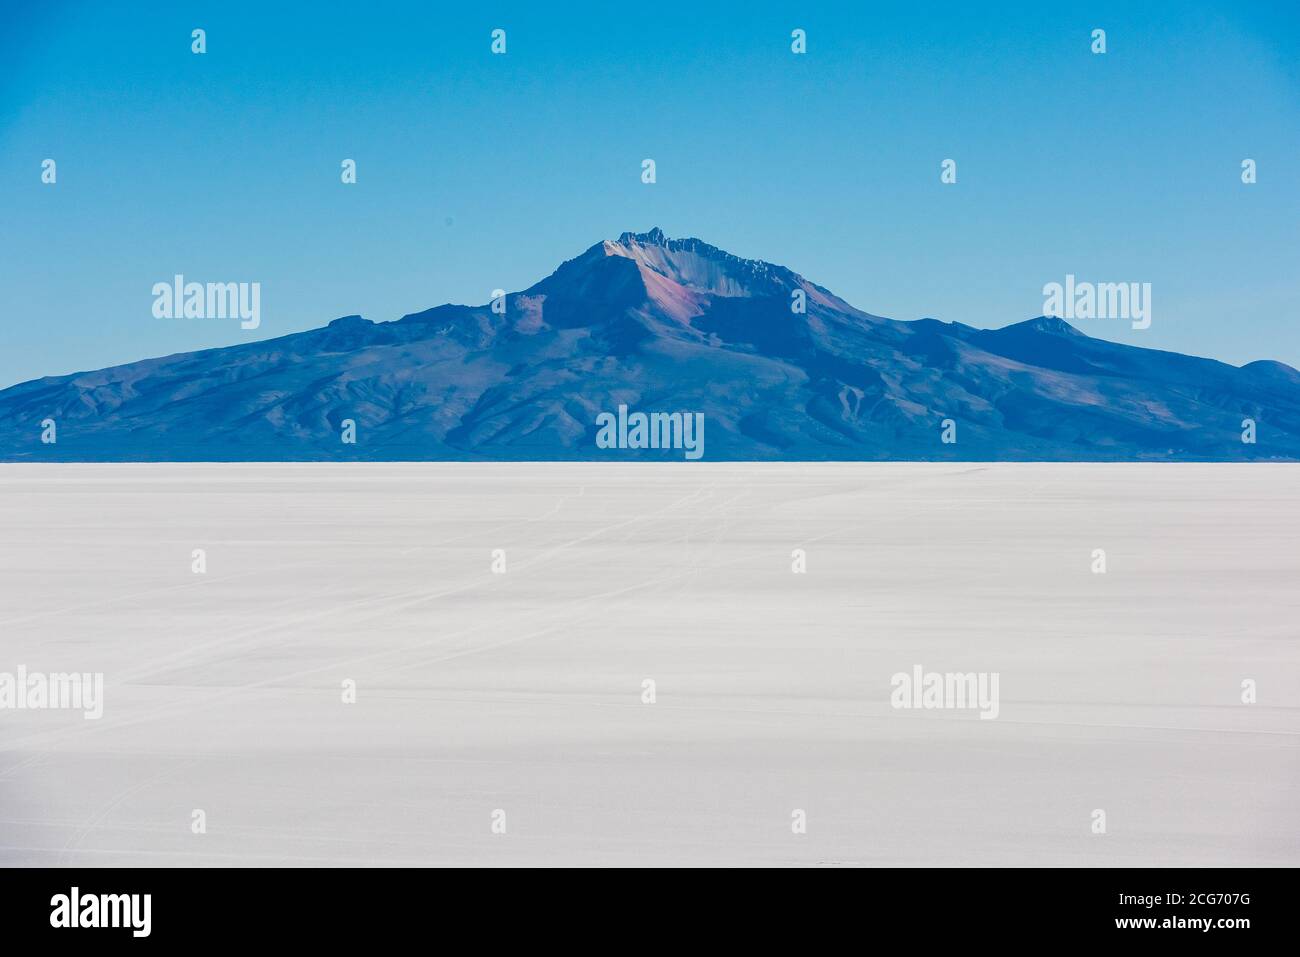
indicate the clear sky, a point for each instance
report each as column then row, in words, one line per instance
column 478, row 171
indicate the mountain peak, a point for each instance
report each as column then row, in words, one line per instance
column 698, row 266
column 655, row 237
column 1050, row 324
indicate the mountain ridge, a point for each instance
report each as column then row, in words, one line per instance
column 780, row 367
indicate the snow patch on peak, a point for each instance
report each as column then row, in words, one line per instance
column 700, row 267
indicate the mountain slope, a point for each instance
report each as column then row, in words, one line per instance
column 669, row 325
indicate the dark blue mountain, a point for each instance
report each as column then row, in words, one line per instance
column 666, row 325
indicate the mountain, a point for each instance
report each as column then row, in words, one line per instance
column 668, row 325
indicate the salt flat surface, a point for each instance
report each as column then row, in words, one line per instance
column 523, row 691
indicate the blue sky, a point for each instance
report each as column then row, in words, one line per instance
column 478, row 171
